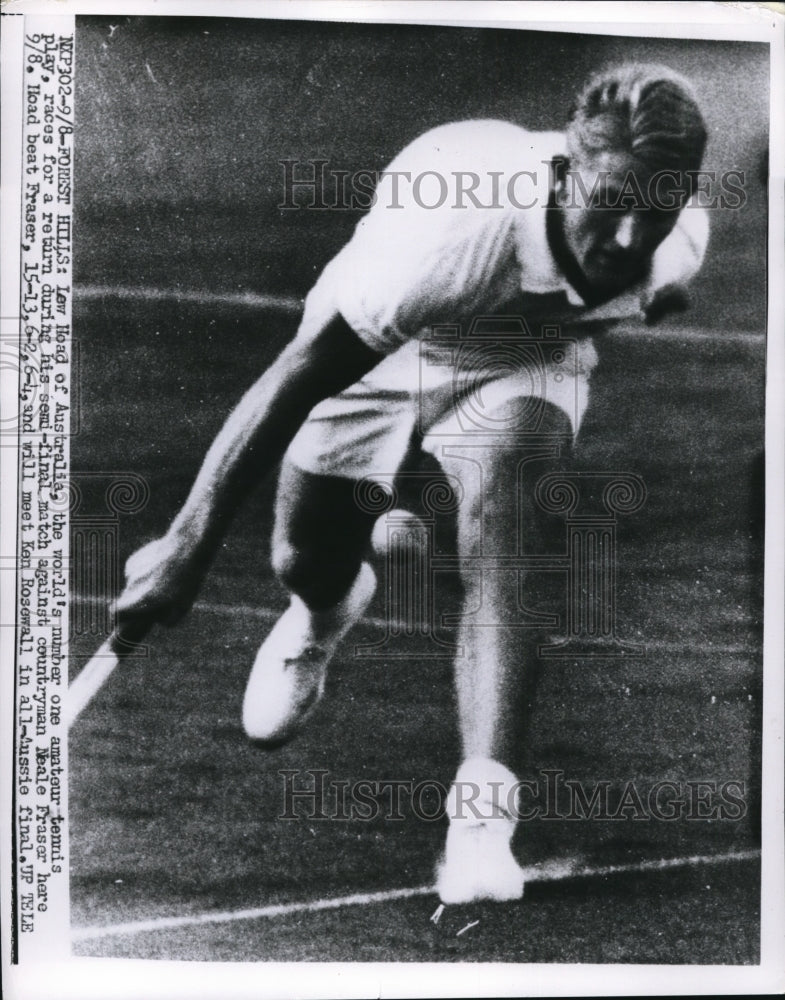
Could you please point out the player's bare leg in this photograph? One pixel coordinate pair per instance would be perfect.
(496, 675)
(320, 541)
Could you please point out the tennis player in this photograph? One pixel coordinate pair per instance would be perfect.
(583, 229)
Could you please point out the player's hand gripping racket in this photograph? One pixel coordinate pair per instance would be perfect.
(162, 579)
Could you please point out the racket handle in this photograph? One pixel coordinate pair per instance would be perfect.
(100, 667)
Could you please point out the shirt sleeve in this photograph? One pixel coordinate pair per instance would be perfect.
(679, 257)
(401, 274)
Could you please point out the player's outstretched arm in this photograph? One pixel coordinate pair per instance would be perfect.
(164, 576)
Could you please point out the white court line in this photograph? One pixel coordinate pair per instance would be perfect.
(291, 303)
(553, 872)
(699, 645)
(635, 332)
(256, 300)
(266, 614)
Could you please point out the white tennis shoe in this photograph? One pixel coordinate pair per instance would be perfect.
(288, 676)
(478, 862)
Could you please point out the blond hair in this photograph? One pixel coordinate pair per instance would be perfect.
(647, 110)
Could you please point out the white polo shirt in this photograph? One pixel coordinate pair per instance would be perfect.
(439, 248)
(459, 228)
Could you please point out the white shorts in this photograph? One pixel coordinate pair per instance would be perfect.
(441, 392)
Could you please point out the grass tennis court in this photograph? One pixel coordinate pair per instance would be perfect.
(173, 815)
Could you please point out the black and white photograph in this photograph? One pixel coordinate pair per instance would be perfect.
(396, 541)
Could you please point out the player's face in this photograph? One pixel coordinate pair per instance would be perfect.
(610, 225)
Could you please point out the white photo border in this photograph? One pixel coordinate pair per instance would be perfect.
(102, 978)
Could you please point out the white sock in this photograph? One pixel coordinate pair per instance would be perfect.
(483, 791)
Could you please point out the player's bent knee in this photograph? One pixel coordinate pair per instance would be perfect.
(498, 506)
(298, 570)
(285, 559)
